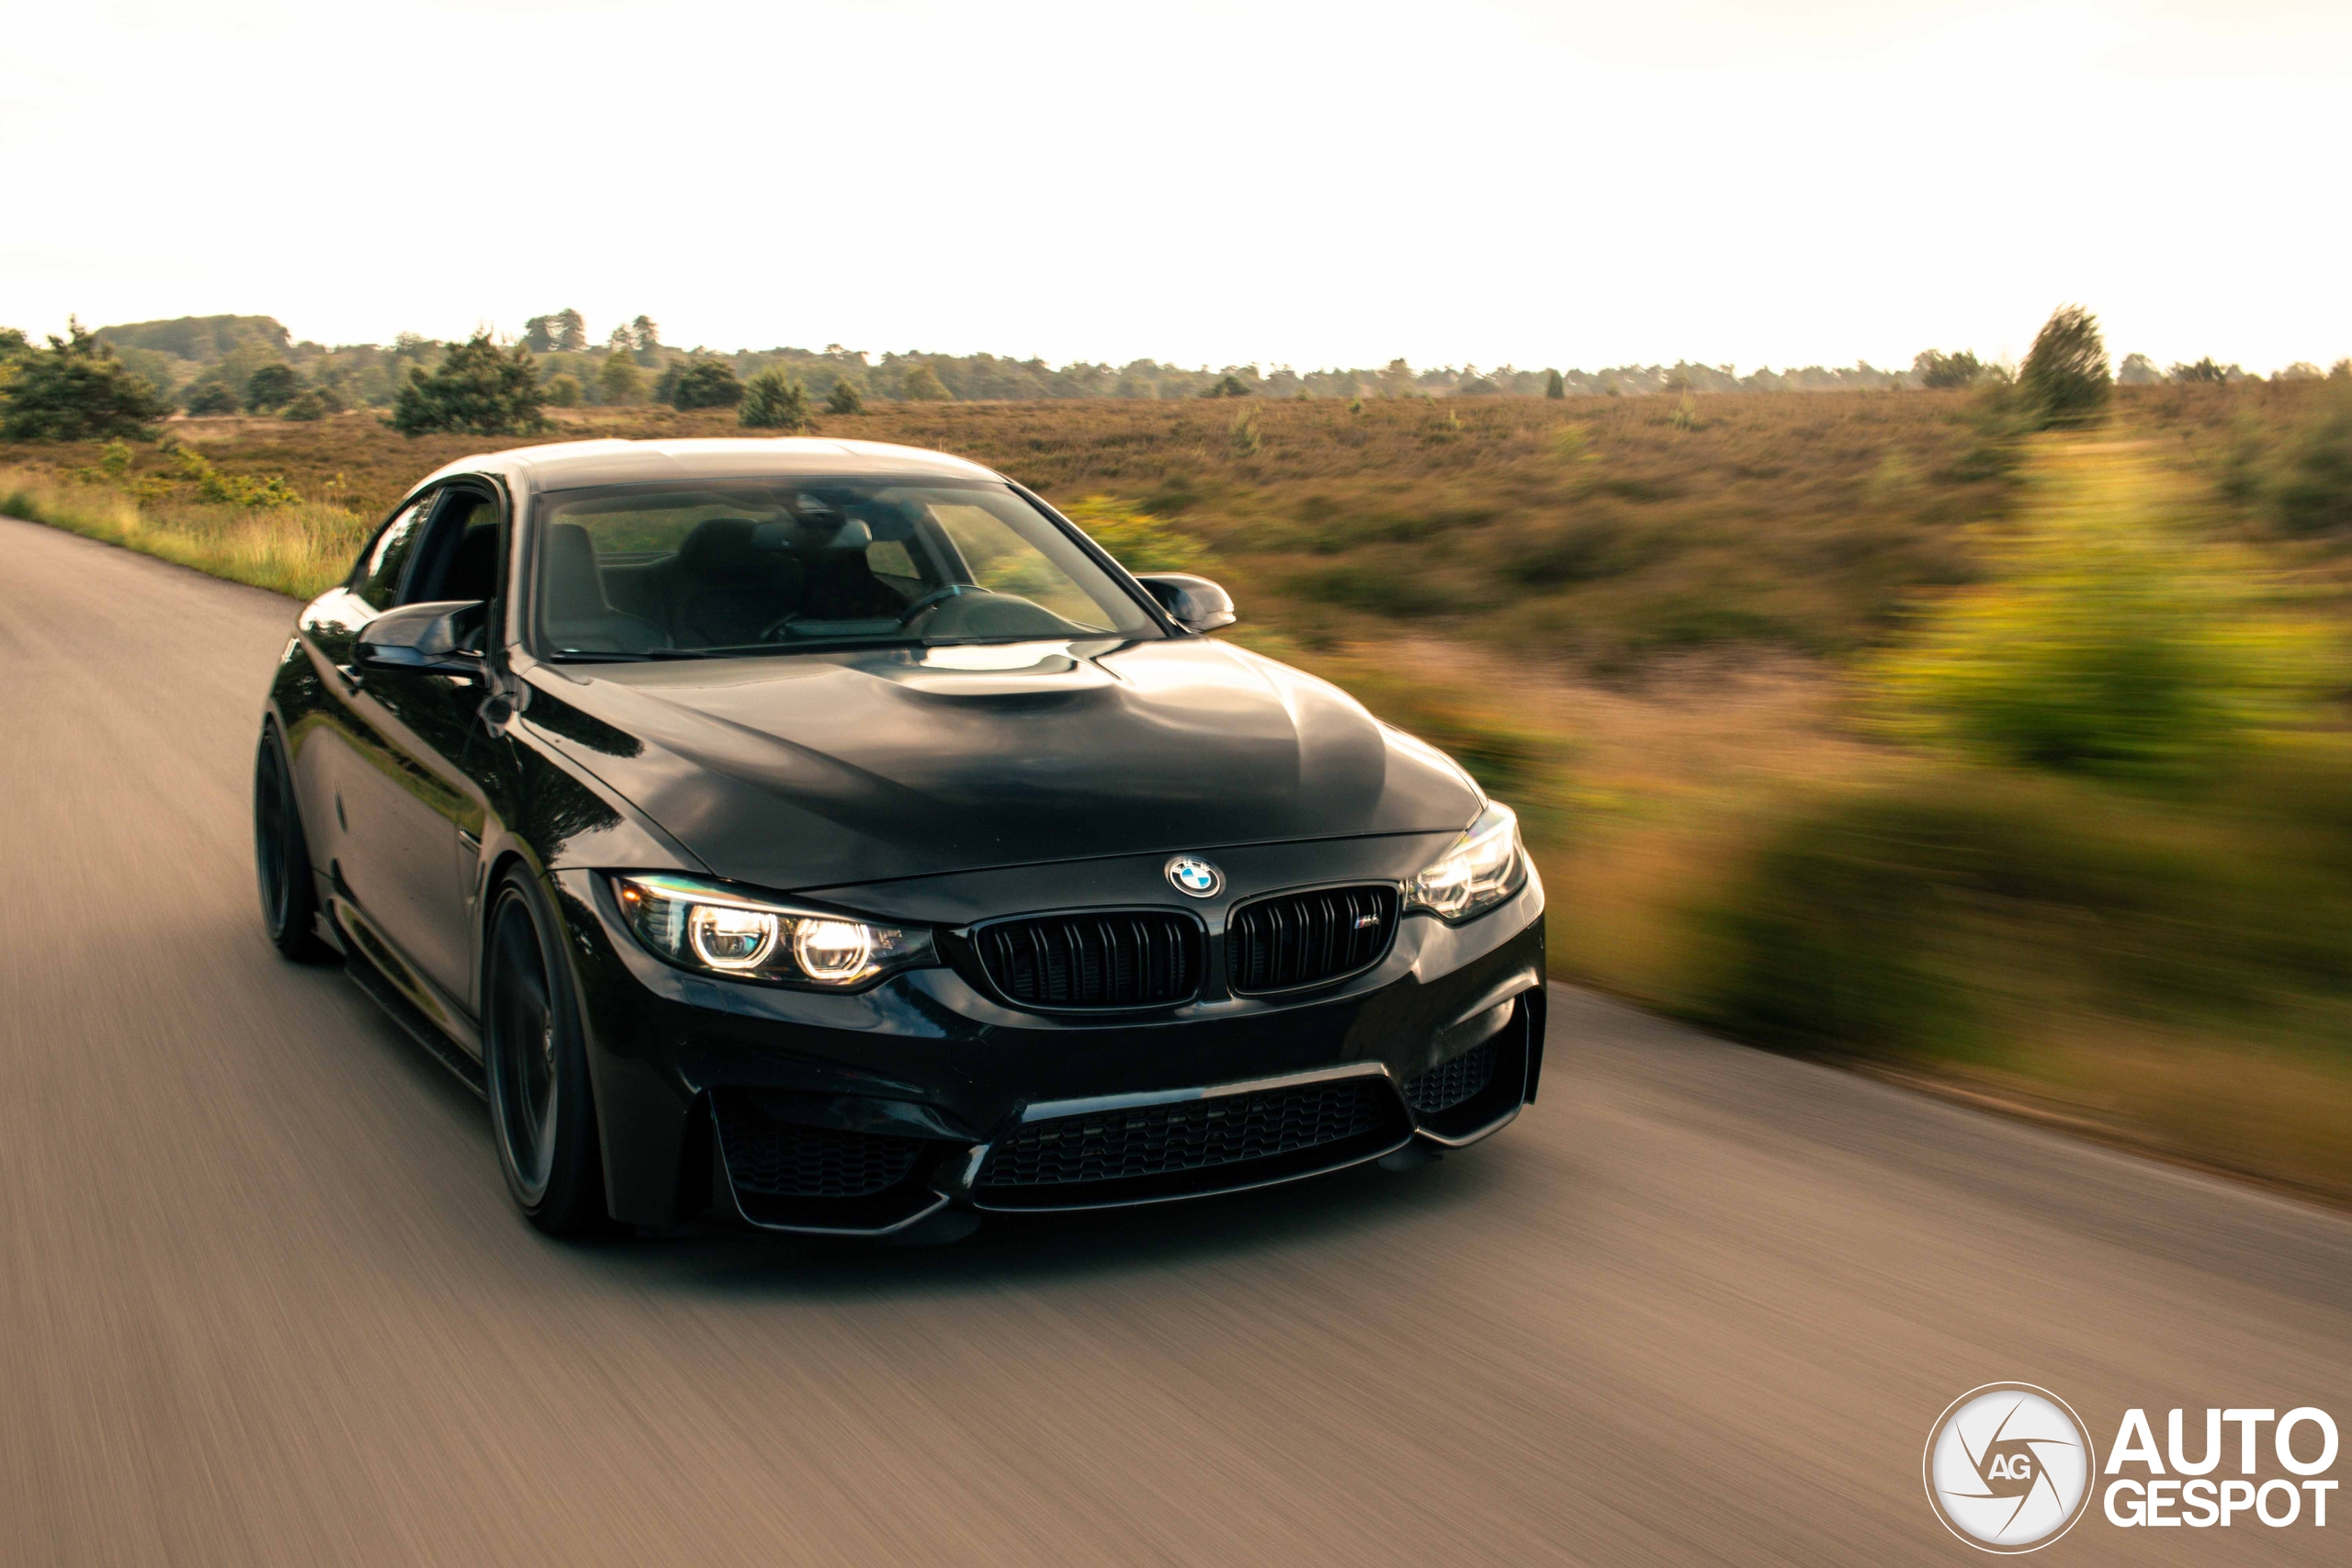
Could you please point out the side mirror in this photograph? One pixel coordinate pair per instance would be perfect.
(432, 640)
(1193, 602)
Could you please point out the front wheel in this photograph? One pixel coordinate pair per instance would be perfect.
(542, 1114)
(290, 900)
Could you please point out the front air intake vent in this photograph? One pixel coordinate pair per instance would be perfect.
(1193, 1139)
(1306, 938)
(1445, 1087)
(1121, 958)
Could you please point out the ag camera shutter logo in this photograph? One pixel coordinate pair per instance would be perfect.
(2009, 1467)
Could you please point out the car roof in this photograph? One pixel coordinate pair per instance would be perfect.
(577, 465)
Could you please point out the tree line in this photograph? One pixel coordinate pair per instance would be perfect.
(131, 375)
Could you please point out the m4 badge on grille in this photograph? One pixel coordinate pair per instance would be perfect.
(1195, 877)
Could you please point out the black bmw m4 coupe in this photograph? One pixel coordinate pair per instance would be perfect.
(830, 837)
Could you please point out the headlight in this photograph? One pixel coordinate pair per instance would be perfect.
(717, 931)
(1485, 865)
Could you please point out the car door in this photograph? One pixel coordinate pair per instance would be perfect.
(414, 844)
(336, 747)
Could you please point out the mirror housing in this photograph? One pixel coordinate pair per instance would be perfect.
(1193, 602)
(426, 638)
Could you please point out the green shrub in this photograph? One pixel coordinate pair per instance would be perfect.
(212, 397)
(618, 383)
(706, 384)
(1138, 540)
(1935, 368)
(1927, 919)
(563, 391)
(478, 388)
(272, 386)
(306, 405)
(2064, 381)
(775, 401)
(76, 389)
(920, 384)
(1383, 587)
(2312, 491)
(263, 494)
(2113, 639)
(844, 397)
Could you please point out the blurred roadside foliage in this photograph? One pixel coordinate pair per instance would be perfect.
(2116, 636)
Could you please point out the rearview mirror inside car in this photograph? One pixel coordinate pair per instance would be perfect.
(1194, 603)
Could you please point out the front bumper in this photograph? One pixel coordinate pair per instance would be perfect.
(863, 1114)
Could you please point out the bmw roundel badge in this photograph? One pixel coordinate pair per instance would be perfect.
(1195, 877)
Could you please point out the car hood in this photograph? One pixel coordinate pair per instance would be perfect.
(823, 770)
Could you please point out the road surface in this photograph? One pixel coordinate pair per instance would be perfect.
(262, 1298)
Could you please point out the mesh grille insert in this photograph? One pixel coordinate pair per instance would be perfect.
(1193, 1135)
(779, 1159)
(1448, 1085)
(1119, 958)
(1299, 939)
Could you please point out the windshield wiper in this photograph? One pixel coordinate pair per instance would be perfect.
(571, 656)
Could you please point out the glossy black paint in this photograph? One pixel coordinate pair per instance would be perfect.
(430, 748)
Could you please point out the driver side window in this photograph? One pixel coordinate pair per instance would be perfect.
(460, 559)
(376, 578)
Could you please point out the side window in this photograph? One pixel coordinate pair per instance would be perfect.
(376, 579)
(460, 558)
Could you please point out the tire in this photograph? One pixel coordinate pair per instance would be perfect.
(290, 898)
(542, 1110)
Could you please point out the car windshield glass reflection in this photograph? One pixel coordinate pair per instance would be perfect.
(651, 571)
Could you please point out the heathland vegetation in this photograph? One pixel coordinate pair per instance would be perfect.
(1981, 726)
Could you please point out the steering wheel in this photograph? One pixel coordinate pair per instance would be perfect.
(937, 596)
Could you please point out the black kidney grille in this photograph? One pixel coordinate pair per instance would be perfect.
(1448, 1085)
(1191, 1134)
(1122, 958)
(1299, 939)
(778, 1159)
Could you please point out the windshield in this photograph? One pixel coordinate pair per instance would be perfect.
(764, 565)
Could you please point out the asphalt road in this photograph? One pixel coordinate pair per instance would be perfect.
(262, 1299)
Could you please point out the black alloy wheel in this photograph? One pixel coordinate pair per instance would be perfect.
(542, 1113)
(290, 900)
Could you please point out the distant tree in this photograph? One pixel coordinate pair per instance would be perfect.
(2301, 370)
(14, 344)
(1229, 387)
(618, 381)
(777, 401)
(706, 384)
(1553, 387)
(76, 389)
(272, 386)
(2203, 370)
(308, 403)
(645, 337)
(921, 384)
(563, 332)
(212, 397)
(563, 391)
(478, 388)
(845, 398)
(2064, 379)
(1935, 368)
(2138, 370)
(2340, 371)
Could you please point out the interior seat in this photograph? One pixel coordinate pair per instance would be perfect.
(577, 615)
(724, 586)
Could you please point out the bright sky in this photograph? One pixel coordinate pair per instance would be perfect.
(1312, 182)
